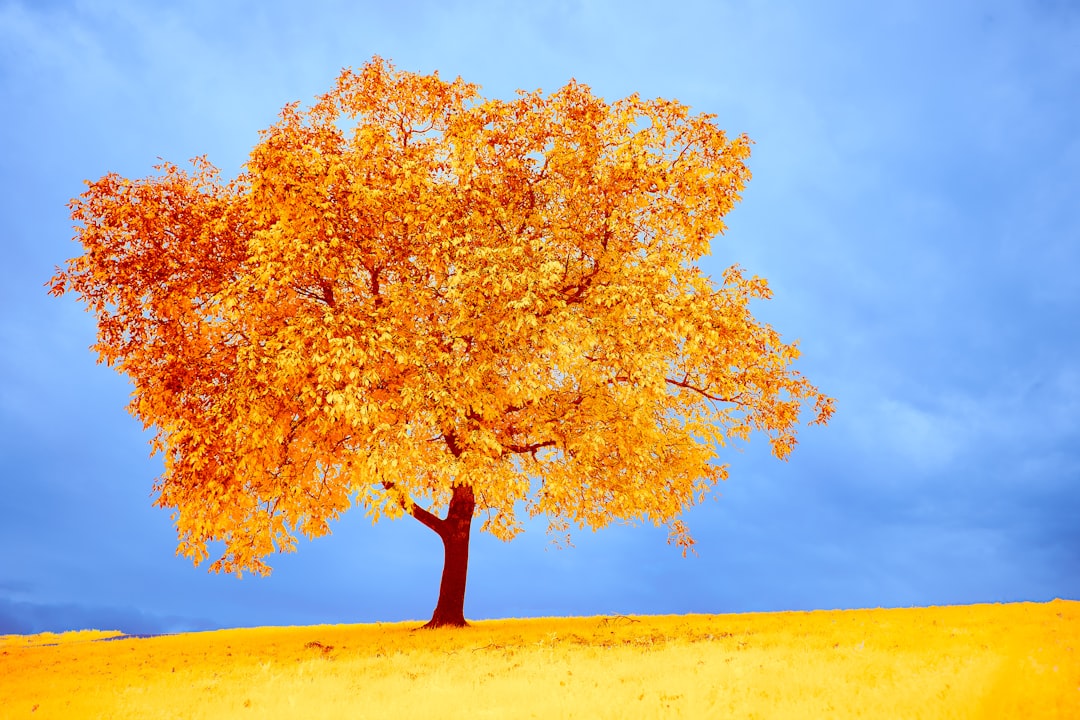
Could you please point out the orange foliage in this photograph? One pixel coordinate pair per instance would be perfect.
(411, 288)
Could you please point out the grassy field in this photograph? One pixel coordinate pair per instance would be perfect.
(981, 661)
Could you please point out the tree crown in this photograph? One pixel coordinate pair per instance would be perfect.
(411, 287)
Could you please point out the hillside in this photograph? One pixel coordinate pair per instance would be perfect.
(979, 661)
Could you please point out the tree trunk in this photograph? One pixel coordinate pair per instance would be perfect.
(454, 531)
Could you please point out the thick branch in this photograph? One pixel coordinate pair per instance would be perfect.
(451, 440)
(530, 448)
(429, 519)
(378, 298)
(327, 293)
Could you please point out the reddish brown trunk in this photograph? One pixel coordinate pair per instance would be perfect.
(454, 531)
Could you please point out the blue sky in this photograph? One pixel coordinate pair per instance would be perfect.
(914, 206)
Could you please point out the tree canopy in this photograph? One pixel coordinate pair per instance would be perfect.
(413, 297)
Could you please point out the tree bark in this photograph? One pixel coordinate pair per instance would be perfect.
(454, 531)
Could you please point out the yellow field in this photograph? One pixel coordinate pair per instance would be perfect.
(981, 661)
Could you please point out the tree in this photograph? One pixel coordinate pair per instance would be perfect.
(414, 299)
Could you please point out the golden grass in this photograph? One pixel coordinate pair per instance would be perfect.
(982, 661)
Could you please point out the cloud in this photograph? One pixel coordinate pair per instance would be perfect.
(919, 438)
(19, 617)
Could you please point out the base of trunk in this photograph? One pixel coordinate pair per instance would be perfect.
(441, 623)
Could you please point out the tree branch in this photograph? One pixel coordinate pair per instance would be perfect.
(715, 398)
(327, 293)
(427, 518)
(374, 274)
(320, 297)
(451, 440)
(530, 448)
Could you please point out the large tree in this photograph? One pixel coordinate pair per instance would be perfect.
(420, 301)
